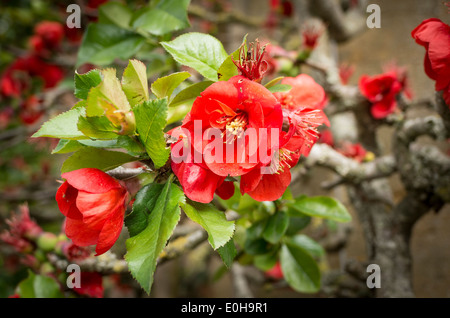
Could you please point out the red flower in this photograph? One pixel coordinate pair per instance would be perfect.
(312, 30)
(48, 37)
(22, 231)
(381, 90)
(73, 252)
(17, 78)
(91, 284)
(434, 36)
(94, 204)
(345, 72)
(275, 272)
(354, 151)
(302, 115)
(31, 110)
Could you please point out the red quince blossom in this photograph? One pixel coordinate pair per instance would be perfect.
(94, 204)
(312, 30)
(31, 110)
(302, 113)
(434, 36)
(47, 37)
(381, 90)
(275, 272)
(22, 231)
(91, 284)
(17, 78)
(345, 72)
(354, 151)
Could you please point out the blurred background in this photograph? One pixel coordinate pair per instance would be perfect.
(28, 172)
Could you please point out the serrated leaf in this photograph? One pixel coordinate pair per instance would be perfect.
(39, 286)
(219, 229)
(135, 83)
(151, 117)
(167, 16)
(63, 126)
(323, 207)
(300, 270)
(84, 82)
(228, 252)
(202, 52)
(97, 127)
(164, 86)
(189, 94)
(103, 43)
(96, 158)
(107, 94)
(144, 248)
(276, 227)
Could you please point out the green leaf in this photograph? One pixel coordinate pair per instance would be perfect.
(164, 86)
(63, 126)
(276, 226)
(323, 207)
(103, 43)
(300, 270)
(127, 143)
(280, 88)
(144, 203)
(97, 127)
(228, 69)
(66, 146)
(144, 248)
(297, 223)
(151, 119)
(135, 83)
(167, 16)
(115, 13)
(219, 229)
(308, 244)
(189, 94)
(108, 94)
(96, 158)
(273, 82)
(266, 261)
(202, 52)
(228, 252)
(255, 244)
(84, 82)
(39, 286)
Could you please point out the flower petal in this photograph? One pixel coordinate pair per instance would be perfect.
(91, 180)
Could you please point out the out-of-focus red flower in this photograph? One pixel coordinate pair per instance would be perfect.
(94, 204)
(74, 35)
(275, 272)
(91, 284)
(401, 73)
(47, 37)
(312, 30)
(434, 36)
(22, 231)
(14, 296)
(345, 72)
(74, 252)
(5, 117)
(326, 137)
(31, 110)
(354, 151)
(17, 78)
(381, 90)
(274, 55)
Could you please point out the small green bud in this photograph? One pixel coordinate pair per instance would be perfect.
(47, 241)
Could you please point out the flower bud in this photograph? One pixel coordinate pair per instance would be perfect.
(47, 241)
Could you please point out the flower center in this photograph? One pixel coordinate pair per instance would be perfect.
(235, 127)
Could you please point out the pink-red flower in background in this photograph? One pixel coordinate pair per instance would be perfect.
(94, 204)
(354, 151)
(434, 36)
(22, 231)
(47, 37)
(381, 90)
(91, 284)
(312, 30)
(275, 272)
